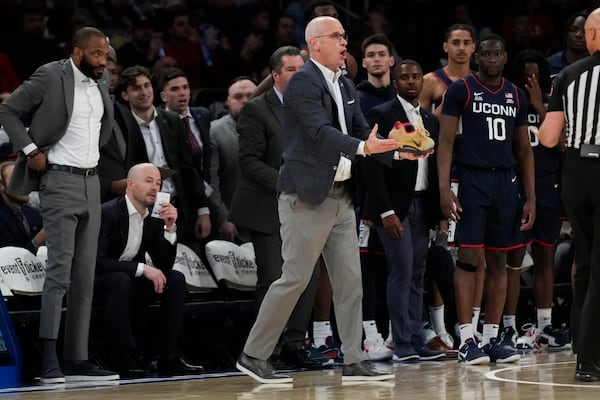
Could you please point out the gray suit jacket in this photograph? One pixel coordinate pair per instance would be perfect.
(47, 97)
(313, 142)
(224, 164)
(254, 204)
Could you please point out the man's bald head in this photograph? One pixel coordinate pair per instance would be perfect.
(592, 31)
(141, 169)
(316, 27)
(327, 42)
(143, 182)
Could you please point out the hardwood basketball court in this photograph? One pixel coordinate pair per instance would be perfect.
(543, 375)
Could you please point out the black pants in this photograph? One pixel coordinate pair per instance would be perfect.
(581, 197)
(124, 298)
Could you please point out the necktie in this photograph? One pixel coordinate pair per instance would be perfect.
(21, 215)
(195, 146)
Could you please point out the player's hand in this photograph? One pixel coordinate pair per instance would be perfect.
(450, 205)
(528, 216)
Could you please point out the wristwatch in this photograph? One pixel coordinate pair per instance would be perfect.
(32, 154)
(172, 230)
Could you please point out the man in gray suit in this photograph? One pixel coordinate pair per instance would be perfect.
(71, 117)
(224, 155)
(324, 131)
(254, 204)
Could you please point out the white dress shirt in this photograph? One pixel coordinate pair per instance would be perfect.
(134, 235)
(79, 147)
(414, 116)
(332, 78)
(154, 148)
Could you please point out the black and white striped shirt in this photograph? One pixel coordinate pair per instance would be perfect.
(576, 92)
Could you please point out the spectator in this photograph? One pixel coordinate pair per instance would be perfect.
(224, 163)
(20, 224)
(285, 31)
(575, 46)
(182, 42)
(9, 80)
(144, 46)
(27, 47)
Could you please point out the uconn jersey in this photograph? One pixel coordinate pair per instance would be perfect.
(488, 117)
(444, 79)
(547, 160)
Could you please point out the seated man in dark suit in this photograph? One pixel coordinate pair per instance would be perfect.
(20, 224)
(124, 282)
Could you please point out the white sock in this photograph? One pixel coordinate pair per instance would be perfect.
(509, 320)
(390, 337)
(437, 319)
(466, 332)
(544, 317)
(321, 330)
(489, 331)
(475, 318)
(370, 328)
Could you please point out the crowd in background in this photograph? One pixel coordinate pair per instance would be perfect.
(215, 41)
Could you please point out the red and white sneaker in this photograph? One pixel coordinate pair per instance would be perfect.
(529, 342)
(376, 350)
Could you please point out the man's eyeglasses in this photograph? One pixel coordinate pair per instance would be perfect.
(336, 36)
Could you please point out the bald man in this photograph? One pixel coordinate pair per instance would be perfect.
(324, 132)
(125, 283)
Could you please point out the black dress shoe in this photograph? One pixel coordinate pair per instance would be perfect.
(277, 362)
(260, 370)
(299, 359)
(587, 372)
(129, 367)
(178, 365)
(364, 371)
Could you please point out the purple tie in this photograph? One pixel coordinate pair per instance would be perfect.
(195, 145)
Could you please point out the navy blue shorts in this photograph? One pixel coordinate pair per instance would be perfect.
(492, 208)
(548, 210)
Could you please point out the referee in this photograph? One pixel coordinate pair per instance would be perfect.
(575, 106)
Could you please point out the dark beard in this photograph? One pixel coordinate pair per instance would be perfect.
(89, 70)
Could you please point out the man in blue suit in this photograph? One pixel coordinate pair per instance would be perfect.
(254, 204)
(324, 132)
